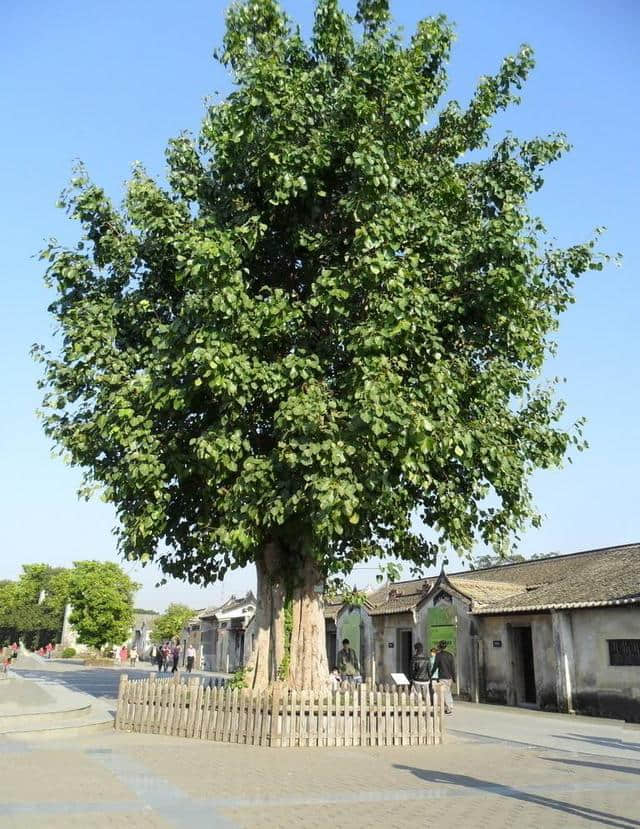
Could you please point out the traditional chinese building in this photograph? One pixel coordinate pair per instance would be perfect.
(225, 632)
(560, 633)
(140, 637)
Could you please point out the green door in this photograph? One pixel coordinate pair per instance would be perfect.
(350, 628)
(441, 625)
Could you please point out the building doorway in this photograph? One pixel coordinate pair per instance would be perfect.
(330, 639)
(525, 677)
(405, 652)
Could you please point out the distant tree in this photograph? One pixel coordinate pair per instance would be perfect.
(8, 598)
(33, 607)
(169, 624)
(331, 320)
(101, 595)
(496, 560)
(514, 558)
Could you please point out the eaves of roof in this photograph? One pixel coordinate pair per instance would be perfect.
(498, 610)
(391, 607)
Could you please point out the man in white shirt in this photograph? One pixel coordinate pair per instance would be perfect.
(191, 658)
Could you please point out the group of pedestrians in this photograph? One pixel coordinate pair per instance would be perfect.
(8, 655)
(169, 654)
(439, 668)
(124, 654)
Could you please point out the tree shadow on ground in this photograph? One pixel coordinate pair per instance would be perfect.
(474, 784)
(590, 765)
(606, 742)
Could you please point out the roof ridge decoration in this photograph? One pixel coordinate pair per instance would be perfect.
(443, 581)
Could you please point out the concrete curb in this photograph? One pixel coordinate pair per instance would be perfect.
(64, 712)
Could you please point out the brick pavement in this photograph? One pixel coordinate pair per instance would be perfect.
(148, 781)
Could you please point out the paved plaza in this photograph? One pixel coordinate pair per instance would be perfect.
(500, 768)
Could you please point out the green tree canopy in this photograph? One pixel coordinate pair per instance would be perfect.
(32, 608)
(169, 624)
(8, 600)
(328, 325)
(101, 595)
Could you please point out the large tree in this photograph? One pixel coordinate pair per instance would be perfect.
(168, 625)
(101, 595)
(32, 608)
(325, 328)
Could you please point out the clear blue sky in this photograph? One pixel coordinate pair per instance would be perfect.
(109, 83)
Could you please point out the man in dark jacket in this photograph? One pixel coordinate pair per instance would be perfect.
(420, 674)
(348, 662)
(445, 664)
(175, 653)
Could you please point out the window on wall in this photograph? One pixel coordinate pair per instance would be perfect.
(624, 651)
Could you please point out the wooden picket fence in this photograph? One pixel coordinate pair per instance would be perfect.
(359, 716)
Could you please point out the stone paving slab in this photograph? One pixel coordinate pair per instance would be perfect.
(141, 780)
(16, 694)
(56, 776)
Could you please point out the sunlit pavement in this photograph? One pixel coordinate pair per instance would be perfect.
(500, 768)
(99, 682)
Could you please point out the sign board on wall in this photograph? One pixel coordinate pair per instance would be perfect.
(442, 626)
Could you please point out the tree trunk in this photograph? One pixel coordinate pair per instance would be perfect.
(308, 669)
(269, 646)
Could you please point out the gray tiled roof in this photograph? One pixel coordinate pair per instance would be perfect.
(399, 597)
(594, 578)
(231, 604)
(331, 609)
(610, 575)
(139, 619)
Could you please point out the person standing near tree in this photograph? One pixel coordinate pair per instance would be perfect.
(445, 665)
(420, 674)
(159, 658)
(348, 662)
